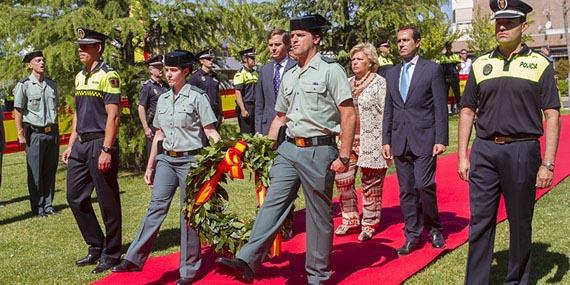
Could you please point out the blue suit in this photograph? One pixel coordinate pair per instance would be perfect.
(412, 128)
(265, 96)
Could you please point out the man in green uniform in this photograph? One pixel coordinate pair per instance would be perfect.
(315, 103)
(92, 155)
(509, 90)
(35, 114)
(384, 61)
(244, 82)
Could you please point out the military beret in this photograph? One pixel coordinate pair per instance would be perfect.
(28, 57)
(155, 60)
(87, 37)
(505, 9)
(309, 22)
(250, 52)
(179, 58)
(205, 54)
(385, 44)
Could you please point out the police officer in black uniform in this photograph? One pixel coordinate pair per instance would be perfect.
(92, 154)
(509, 90)
(206, 79)
(150, 91)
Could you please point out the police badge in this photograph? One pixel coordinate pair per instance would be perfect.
(487, 69)
(502, 4)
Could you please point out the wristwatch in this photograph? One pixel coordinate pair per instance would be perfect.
(344, 160)
(106, 149)
(548, 165)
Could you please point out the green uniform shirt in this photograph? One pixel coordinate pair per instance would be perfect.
(94, 90)
(310, 98)
(181, 119)
(244, 81)
(38, 102)
(382, 61)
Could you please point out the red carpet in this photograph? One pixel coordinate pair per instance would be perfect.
(353, 262)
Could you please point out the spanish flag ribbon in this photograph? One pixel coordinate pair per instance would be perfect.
(230, 164)
(261, 192)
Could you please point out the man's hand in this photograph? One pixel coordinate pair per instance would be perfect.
(387, 152)
(244, 113)
(463, 168)
(544, 177)
(104, 161)
(148, 133)
(65, 155)
(22, 140)
(149, 176)
(438, 149)
(338, 166)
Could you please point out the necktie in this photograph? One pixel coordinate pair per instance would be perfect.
(277, 78)
(404, 81)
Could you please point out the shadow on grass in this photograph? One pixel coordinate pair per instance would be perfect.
(166, 239)
(543, 263)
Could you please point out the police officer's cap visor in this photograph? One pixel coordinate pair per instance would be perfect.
(309, 22)
(89, 37)
(28, 57)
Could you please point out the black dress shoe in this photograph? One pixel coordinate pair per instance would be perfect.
(238, 267)
(103, 266)
(184, 281)
(408, 247)
(126, 266)
(88, 260)
(436, 239)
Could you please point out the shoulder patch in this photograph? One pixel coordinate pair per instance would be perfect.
(327, 59)
(114, 81)
(194, 88)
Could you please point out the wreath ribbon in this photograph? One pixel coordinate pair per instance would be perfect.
(261, 192)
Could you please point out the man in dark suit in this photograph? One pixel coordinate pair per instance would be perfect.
(415, 132)
(270, 75)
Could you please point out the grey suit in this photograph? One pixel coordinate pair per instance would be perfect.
(412, 128)
(265, 96)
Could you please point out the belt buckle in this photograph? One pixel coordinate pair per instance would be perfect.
(502, 140)
(171, 153)
(300, 142)
(47, 129)
(79, 138)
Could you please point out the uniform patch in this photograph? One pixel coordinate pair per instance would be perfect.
(114, 81)
(487, 69)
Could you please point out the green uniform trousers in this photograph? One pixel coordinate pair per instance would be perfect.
(294, 166)
(42, 153)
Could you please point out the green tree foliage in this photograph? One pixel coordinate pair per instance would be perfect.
(481, 34)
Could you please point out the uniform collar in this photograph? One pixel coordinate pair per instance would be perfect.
(34, 80)
(525, 50)
(315, 61)
(97, 67)
(182, 92)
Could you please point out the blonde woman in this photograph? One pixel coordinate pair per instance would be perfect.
(368, 93)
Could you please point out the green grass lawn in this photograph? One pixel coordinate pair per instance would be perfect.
(43, 250)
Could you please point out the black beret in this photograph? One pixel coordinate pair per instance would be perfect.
(87, 37)
(179, 58)
(309, 22)
(155, 60)
(205, 54)
(28, 57)
(509, 8)
(385, 44)
(250, 52)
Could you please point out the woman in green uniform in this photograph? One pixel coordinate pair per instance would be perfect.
(183, 113)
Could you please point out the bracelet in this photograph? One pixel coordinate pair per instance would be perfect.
(548, 165)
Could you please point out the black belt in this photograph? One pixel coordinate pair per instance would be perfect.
(511, 139)
(43, 130)
(87, 137)
(172, 153)
(314, 141)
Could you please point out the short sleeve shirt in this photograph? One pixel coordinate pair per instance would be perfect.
(244, 81)
(508, 95)
(37, 101)
(183, 117)
(150, 92)
(310, 98)
(94, 90)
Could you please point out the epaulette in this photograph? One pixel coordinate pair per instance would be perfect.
(199, 90)
(541, 55)
(106, 67)
(327, 59)
(147, 82)
(24, 80)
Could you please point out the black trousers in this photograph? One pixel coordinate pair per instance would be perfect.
(82, 175)
(418, 199)
(42, 153)
(453, 82)
(247, 125)
(508, 170)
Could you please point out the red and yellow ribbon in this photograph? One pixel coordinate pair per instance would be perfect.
(261, 192)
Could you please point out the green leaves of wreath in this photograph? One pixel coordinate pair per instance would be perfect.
(222, 230)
